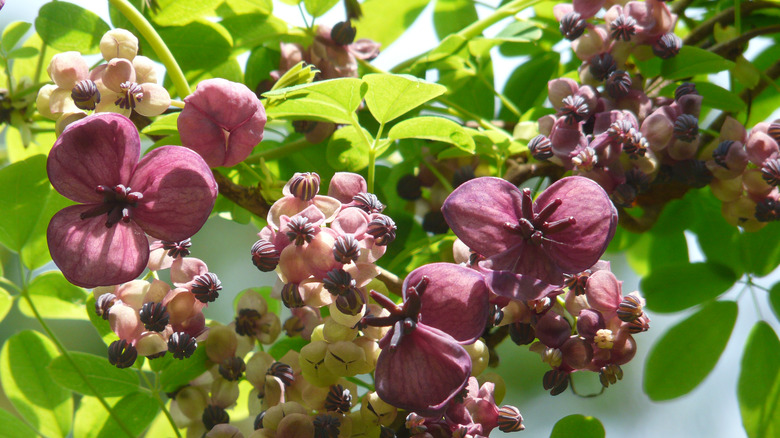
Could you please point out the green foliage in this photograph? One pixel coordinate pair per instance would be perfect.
(579, 426)
(526, 86)
(391, 96)
(774, 299)
(55, 298)
(687, 352)
(27, 383)
(136, 411)
(385, 21)
(676, 287)
(12, 34)
(282, 346)
(317, 8)
(104, 378)
(692, 61)
(450, 16)
(199, 45)
(758, 389)
(333, 100)
(347, 149)
(66, 26)
(757, 257)
(6, 301)
(719, 97)
(13, 427)
(179, 372)
(178, 13)
(434, 128)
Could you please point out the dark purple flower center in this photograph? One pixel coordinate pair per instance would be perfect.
(402, 318)
(534, 227)
(118, 203)
(132, 93)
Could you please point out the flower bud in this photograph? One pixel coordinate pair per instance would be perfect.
(480, 356)
(214, 415)
(221, 343)
(376, 411)
(668, 46)
(182, 345)
(118, 43)
(121, 354)
(66, 69)
(224, 393)
(312, 363)
(345, 359)
(332, 331)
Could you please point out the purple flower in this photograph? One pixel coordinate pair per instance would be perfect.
(565, 231)
(222, 121)
(102, 241)
(422, 365)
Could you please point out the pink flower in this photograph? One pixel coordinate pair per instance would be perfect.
(222, 121)
(102, 241)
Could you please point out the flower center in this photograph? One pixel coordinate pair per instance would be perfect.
(131, 94)
(534, 227)
(118, 203)
(403, 318)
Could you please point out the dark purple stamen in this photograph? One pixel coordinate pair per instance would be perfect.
(534, 226)
(118, 202)
(402, 318)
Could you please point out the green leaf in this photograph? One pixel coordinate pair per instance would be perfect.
(758, 257)
(180, 372)
(66, 26)
(282, 346)
(178, 13)
(746, 73)
(651, 251)
(299, 74)
(25, 188)
(106, 379)
(579, 426)
(35, 252)
(758, 389)
(718, 240)
(693, 61)
(774, 299)
(28, 385)
(199, 45)
(243, 7)
(13, 427)
(391, 96)
(12, 34)
(686, 354)
(55, 298)
(719, 97)
(22, 52)
(347, 150)
(262, 61)
(165, 125)
(450, 16)
(333, 100)
(136, 411)
(672, 288)
(6, 301)
(317, 8)
(384, 21)
(527, 85)
(434, 128)
(250, 30)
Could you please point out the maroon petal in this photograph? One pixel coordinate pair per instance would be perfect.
(514, 286)
(527, 260)
(101, 149)
(178, 190)
(477, 211)
(579, 246)
(222, 121)
(455, 300)
(91, 255)
(423, 373)
(344, 185)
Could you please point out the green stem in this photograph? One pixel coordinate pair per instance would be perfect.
(10, 77)
(161, 403)
(251, 171)
(507, 103)
(372, 157)
(738, 16)
(359, 382)
(371, 152)
(39, 64)
(158, 45)
(464, 112)
(446, 184)
(475, 29)
(68, 357)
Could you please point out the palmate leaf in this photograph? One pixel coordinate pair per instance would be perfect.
(579, 426)
(55, 298)
(686, 354)
(434, 128)
(391, 96)
(758, 389)
(676, 287)
(106, 379)
(66, 26)
(333, 100)
(347, 150)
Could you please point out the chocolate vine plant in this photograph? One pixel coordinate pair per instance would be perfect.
(412, 226)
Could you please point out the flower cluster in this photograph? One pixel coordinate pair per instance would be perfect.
(127, 82)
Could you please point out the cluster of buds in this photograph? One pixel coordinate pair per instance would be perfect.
(153, 318)
(125, 83)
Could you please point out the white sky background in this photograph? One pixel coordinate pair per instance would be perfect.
(711, 410)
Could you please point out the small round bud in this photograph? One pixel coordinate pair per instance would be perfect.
(346, 249)
(103, 304)
(382, 228)
(368, 202)
(409, 187)
(602, 65)
(118, 43)
(556, 381)
(246, 321)
(85, 95)
(574, 109)
(343, 33)
(509, 419)
(623, 27)
(206, 287)
(610, 374)
(177, 249)
(624, 195)
(630, 308)
(721, 152)
(774, 131)
(639, 325)
(685, 89)
(540, 147)
(338, 399)
(299, 230)
(345, 359)
(434, 222)
(182, 345)
(635, 144)
(283, 371)
(686, 128)
(770, 172)
(264, 255)
(618, 83)
(214, 415)
(121, 354)
(668, 46)
(291, 296)
(572, 26)
(522, 333)
(480, 355)
(154, 316)
(305, 186)
(232, 368)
